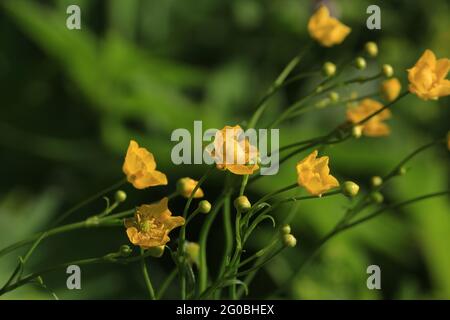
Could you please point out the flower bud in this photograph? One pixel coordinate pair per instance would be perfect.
(242, 204)
(357, 131)
(376, 181)
(360, 63)
(329, 69)
(204, 206)
(371, 49)
(156, 252)
(192, 250)
(388, 71)
(289, 240)
(350, 189)
(125, 250)
(377, 197)
(401, 171)
(186, 185)
(286, 229)
(334, 96)
(120, 196)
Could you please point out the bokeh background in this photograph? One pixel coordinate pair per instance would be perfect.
(72, 100)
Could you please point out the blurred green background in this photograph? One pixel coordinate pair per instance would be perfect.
(72, 100)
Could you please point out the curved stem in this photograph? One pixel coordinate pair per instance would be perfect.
(148, 283)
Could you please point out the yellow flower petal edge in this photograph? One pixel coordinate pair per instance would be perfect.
(151, 225)
(374, 127)
(427, 78)
(390, 89)
(326, 30)
(314, 174)
(140, 168)
(233, 151)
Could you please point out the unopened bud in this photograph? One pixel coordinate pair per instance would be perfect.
(360, 63)
(401, 171)
(388, 71)
(120, 196)
(357, 131)
(286, 229)
(242, 203)
(329, 69)
(371, 49)
(125, 250)
(204, 206)
(377, 197)
(376, 181)
(350, 189)
(156, 252)
(334, 96)
(289, 240)
(192, 250)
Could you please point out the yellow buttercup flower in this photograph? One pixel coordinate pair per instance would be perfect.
(427, 77)
(233, 151)
(390, 89)
(186, 185)
(151, 225)
(314, 174)
(140, 168)
(375, 126)
(328, 31)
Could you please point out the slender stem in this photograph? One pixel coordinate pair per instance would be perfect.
(148, 283)
(169, 279)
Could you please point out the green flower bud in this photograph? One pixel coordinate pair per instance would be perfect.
(350, 189)
(120, 196)
(376, 181)
(289, 240)
(156, 252)
(388, 71)
(125, 250)
(357, 131)
(204, 206)
(360, 63)
(371, 49)
(286, 229)
(192, 250)
(377, 197)
(329, 69)
(242, 204)
(334, 96)
(401, 171)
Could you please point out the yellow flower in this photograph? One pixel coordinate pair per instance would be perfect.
(390, 89)
(151, 225)
(326, 30)
(375, 126)
(186, 185)
(140, 168)
(427, 77)
(314, 174)
(448, 140)
(233, 151)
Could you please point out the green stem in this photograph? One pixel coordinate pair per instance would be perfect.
(166, 284)
(148, 283)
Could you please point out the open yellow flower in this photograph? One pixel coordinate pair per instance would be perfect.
(314, 174)
(151, 225)
(374, 127)
(328, 31)
(427, 77)
(233, 151)
(390, 89)
(140, 168)
(186, 185)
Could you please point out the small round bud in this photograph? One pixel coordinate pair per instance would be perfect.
(388, 71)
(334, 96)
(357, 131)
(371, 49)
(204, 206)
(319, 89)
(401, 171)
(120, 196)
(156, 252)
(192, 250)
(350, 189)
(329, 69)
(360, 63)
(286, 229)
(377, 197)
(242, 203)
(376, 181)
(125, 250)
(289, 240)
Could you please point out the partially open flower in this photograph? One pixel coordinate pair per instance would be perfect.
(375, 126)
(427, 77)
(314, 174)
(140, 168)
(151, 225)
(185, 186)
(233, 151)
(328, 31)
(390, 89)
